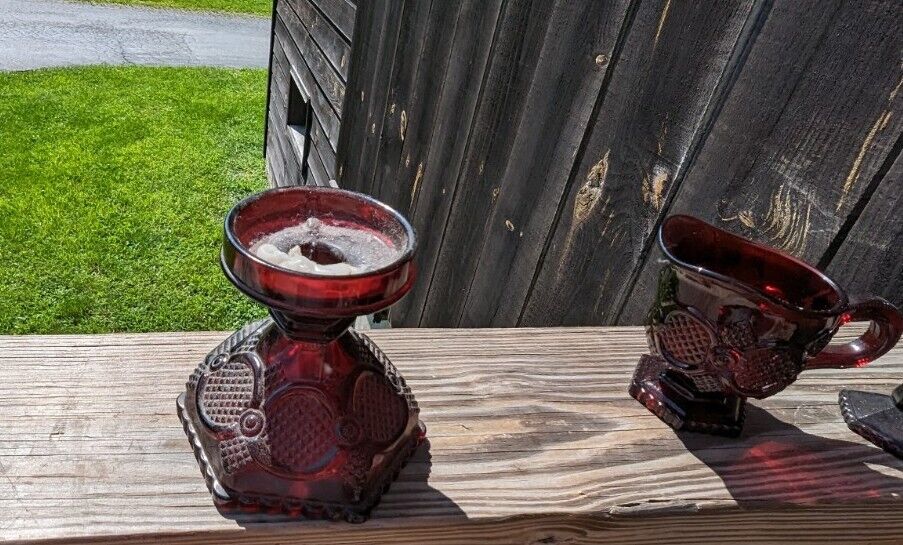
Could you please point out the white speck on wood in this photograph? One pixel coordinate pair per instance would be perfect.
(416, 185)
(661, 23)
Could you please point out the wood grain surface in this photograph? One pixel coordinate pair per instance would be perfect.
(532, 439)
(637, 150)
(340, 13)
(791, 154)
(330, 83)
(430, 199)
(876, 238)
(537, 157)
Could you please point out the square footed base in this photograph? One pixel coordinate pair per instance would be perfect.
(681, 407)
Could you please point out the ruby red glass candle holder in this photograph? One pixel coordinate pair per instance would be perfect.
(299, 414)
(733, 319)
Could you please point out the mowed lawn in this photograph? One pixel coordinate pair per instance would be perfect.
(256, 7)
(113, 187)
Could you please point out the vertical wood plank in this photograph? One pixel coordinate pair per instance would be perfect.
(558, 107)
(808, 123)
(652, 113)
(869, 261)
(412, 35)
(364, 80)
(450, 134)
(425, 93)
(378, 99)
(510, 73)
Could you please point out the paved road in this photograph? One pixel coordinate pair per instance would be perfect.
(44, 33)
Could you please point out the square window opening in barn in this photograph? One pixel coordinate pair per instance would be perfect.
(299, 120)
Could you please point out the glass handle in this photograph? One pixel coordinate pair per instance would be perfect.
(883, 333)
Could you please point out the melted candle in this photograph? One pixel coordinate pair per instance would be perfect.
(355, 251)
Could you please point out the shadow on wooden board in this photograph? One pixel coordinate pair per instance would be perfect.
(776, 462)
(413, 481)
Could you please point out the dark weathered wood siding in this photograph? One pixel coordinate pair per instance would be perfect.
(537, 145)
(311, 48)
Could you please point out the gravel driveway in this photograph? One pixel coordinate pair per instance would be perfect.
(48, 33)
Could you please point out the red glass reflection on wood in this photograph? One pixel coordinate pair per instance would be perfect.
(299, 413)
(734, 319)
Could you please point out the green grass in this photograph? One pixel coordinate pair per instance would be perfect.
(113, 187)
(256, 7)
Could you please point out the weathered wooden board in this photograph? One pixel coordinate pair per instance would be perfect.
(515, 54)
(451, 128)
(318, 175)
(275, 163)
(366, 144)
(412, 34)
(327, 154)
(424, 94)
(640, 143)
(363, 79)
(279, 148)
(299, 70)
(537, 156)
(280, 74)
(330, 83)
(532, 439)
(286, 154)
(870, 259)
(564, 90)
(340, 13)
(290, 150)
(324, 34)
(808, 123)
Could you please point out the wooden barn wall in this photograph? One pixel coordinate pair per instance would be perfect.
(537, 145)
(311, 47)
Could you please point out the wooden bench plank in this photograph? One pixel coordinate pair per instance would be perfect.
(532, 438)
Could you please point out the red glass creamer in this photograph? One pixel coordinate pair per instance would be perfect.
(734, 319)
(299, 413)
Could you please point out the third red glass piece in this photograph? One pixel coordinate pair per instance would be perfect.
(734, 319)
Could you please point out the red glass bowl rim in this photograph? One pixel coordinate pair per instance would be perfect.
(840, 306)
(406, 254)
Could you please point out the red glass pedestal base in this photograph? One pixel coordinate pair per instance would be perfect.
(299, 414)
(682, 406)
(319, 434)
